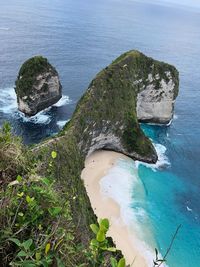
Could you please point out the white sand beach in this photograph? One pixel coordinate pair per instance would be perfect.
(96, 167)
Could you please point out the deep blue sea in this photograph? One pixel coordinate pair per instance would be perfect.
(80, 38)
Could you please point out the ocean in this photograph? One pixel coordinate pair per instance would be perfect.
(80, 38)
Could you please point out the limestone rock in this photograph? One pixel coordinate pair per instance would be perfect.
(37, 86)
(155, 101)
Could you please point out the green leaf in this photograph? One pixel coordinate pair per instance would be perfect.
(54, 211)
(46, 181)
(100, 236)
(121, 263)
(59, 262)
(103, 247)
(20, 194)
(21, 214)
(53, 154)
(111, 249)
(38, 256)
(113, 262)
(22, 254)
(19, 178)
(29, 199)
(26, 244)
(45, 263)
(16, 241)
(94, 243)
(47, 248)
(104, 225)
(40, 227)
(28, 264)
(94, 228)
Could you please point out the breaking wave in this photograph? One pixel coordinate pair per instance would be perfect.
(163, 161)
(8, 105)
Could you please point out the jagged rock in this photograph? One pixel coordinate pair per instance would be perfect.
(37, 86)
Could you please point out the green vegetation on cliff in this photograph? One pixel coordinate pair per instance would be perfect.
(45, 213)
(105, 116)
(28, 72)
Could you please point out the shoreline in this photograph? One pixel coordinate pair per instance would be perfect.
(97, 166)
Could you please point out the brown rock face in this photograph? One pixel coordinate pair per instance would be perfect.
(37, 86)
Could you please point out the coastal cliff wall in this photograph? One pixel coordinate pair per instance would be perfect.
(155, 101)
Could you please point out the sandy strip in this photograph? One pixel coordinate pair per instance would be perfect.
(96, 167)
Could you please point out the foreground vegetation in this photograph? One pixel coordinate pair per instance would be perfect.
(37, 224)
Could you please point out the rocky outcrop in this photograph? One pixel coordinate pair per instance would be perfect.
(133, 87)
(37, 86)
(155, 101)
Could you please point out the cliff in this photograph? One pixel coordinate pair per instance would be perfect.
(133, 87)
(37, 86)
(105, 118)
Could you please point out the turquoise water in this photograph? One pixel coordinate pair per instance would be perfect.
(171, 201)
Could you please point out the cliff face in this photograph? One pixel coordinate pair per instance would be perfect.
(133, 87)
(155, 100)
(37, 86)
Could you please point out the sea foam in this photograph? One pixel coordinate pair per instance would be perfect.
(121, 183)
(41, 117)
(8, 100)
(162, 162)
(119, 178)
(63, 101)
(61, 123)
(8, 105)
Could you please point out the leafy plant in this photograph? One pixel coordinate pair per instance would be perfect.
(100, 244)
(120, 263)
(33, 218)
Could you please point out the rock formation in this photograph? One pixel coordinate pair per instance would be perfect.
(133, 87)
(155, 100)
(37, 86)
